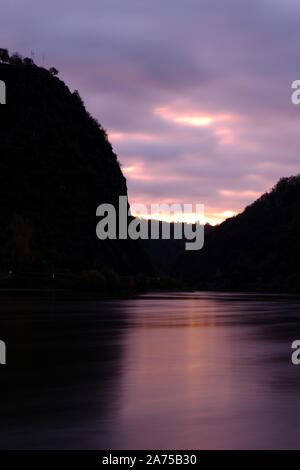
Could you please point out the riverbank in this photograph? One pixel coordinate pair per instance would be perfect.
(104, 284)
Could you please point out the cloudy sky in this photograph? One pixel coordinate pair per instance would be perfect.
(194, 94)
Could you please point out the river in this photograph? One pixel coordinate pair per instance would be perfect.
(197, 370)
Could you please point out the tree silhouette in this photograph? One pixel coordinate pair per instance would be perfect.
(16, 59)
(4, 56)
(28, 61)
(53, 71)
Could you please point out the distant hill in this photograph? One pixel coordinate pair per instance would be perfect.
(56, 167)
(258, 249)
(164, 253)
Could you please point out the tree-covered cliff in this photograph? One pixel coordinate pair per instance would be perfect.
(258, 249)
(56, 167)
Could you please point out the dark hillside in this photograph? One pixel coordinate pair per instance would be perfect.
(258, 249)
(56, 167)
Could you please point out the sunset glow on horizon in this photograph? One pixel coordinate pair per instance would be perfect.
(213, 218)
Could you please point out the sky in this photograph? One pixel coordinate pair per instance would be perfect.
(195, 94)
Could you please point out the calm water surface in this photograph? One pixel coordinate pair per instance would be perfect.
(163, 371)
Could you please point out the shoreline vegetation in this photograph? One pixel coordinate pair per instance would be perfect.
(105, 283)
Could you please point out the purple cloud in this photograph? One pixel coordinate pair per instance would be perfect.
(199, 60)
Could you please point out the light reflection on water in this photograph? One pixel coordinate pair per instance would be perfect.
(164, 371)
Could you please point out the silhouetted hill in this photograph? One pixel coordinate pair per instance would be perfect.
(56, 167)
(256, 250)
